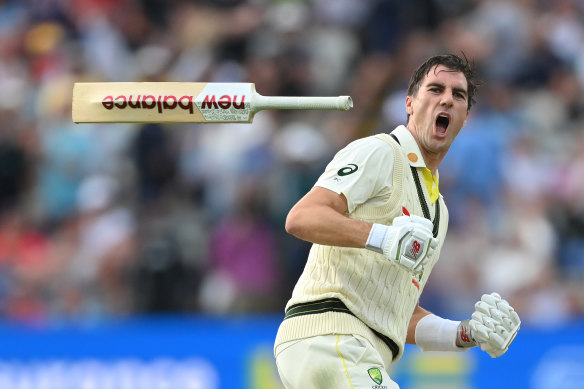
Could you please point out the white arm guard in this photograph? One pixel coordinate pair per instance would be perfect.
(494, 324)
(408, 241)
(434, 333)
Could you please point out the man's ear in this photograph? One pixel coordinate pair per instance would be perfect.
(409, 107)
(464, 123)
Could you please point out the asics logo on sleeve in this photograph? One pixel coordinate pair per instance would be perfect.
(350, 168)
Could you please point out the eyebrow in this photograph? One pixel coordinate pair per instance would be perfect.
(442, 86)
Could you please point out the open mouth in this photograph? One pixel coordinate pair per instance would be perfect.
(442, 122)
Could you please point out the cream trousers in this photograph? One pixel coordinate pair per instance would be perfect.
(332, 361)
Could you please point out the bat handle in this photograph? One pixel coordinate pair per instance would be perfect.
(340, 103)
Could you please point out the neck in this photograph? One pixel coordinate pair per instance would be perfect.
(432, 160)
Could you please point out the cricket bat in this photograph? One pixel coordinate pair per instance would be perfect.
(184, 102)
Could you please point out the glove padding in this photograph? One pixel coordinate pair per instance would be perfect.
(494, 325)
(408, 241)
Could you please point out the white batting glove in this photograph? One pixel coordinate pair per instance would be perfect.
(493, 326)
(408, 241)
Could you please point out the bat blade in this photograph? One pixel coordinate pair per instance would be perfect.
(183, 102)
(162, 102)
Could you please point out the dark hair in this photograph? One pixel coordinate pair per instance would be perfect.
(451, 62)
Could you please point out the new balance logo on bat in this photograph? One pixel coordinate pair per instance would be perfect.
(224, 102)
(149, 102)
(170, 102)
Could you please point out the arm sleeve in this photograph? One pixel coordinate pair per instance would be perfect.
(362, 171)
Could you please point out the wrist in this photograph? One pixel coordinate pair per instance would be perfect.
(464, 336)
(434, 333)
(377, 237)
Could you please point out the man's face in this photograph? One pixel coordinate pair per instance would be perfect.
(438, 110)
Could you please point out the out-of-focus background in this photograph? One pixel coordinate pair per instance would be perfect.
(151, 255)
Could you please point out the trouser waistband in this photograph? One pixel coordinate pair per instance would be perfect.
(333, 305)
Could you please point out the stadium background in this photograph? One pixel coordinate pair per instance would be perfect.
(132, 254)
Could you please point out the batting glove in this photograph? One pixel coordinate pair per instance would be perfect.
(408, 241)
(493, 326)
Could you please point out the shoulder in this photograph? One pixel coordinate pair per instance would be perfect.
(365, 151)
(376, 141)
(375, 144)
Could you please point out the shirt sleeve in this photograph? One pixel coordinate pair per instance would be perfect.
(362, 171)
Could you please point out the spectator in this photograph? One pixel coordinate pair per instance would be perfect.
(177, 189)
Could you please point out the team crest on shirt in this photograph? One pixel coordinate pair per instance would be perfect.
(375, 375)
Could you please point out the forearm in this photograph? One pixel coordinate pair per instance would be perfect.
(433, 333)
(324, 225)
(418, 314)
(320, 217)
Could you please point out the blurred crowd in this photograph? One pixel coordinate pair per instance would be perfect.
(102, 220)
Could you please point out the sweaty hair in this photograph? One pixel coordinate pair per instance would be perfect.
(453, 63)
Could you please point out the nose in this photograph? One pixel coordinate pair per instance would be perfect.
(447, 100)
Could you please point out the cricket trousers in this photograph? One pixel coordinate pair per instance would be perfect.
(332, 361)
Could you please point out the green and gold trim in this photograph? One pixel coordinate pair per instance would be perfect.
(320, 306)
(333, 305)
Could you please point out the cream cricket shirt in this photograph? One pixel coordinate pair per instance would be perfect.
(355, 170)
(375, 176)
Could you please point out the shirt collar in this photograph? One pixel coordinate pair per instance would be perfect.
(409, 146)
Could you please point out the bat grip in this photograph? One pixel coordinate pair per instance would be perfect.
(340, 103)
